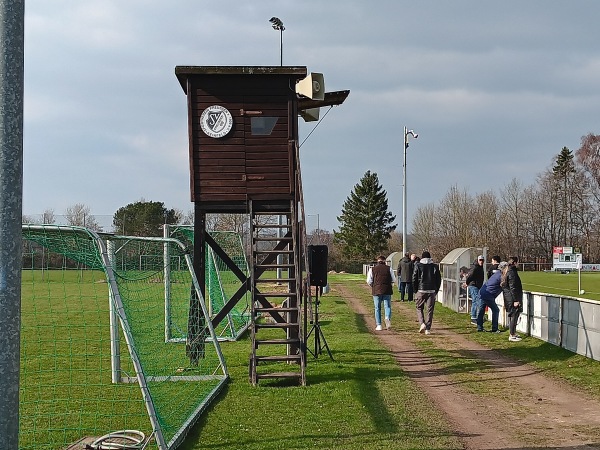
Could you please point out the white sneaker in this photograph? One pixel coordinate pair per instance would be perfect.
(427, 332)
(515, 338)
(378, 328)
(422, 328)
(388, 324)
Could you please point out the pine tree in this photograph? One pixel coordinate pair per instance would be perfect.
(564, 178)
(365, 222)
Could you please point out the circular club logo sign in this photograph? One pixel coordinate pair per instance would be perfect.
(216, 121)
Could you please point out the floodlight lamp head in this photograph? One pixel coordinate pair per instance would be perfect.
(412, 133)
(277, 23)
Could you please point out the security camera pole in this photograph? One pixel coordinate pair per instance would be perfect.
(415, 135)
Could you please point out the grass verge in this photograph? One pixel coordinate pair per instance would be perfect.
(560, 364)
(362, 399)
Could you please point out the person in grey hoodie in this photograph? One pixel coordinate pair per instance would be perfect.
(426, 282)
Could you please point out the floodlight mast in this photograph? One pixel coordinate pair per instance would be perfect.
(278, 25)
(404, 209)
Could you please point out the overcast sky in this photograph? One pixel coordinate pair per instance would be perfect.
(494, 89)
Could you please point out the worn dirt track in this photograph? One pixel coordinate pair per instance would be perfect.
(545, 413)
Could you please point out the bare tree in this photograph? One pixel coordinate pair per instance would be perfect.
(512, 212)
(187, 218)
(588, 157)
(79, 215)
(48, 216)
(484, 219)
(227, 222)
(395, 242)
(424, 229)
(454, 218)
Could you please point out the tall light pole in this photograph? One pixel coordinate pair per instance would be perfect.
(415, 135)
(278, 25)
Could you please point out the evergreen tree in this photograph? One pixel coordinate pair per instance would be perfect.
(365, 222)
(564, 181)
(564, 164)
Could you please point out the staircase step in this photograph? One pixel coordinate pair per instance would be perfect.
(264, 226)
(278, 358)
(277, 341)
(272, 238)
(275, 252)
(271, 213)
(278, 294)
(268, 310)
(275, 266)
(276, 325)
(274, 280)
(279, 375)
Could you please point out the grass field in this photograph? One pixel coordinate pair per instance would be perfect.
(563, 284)
(66, 391)
(361, 400)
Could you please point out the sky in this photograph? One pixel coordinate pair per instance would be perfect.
(494, 90)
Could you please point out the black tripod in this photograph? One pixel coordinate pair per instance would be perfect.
(320, 341)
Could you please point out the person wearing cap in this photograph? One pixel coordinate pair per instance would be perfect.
(488, 293)
(404, 272)
(474, 282)
(381, 279)
(426, 281)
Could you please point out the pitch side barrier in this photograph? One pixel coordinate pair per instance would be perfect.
(569, 322)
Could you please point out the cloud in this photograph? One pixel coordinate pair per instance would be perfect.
(494, 90)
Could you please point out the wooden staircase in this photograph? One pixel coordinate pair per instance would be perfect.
(278, 348)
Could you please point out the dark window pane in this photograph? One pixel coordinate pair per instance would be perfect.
(262, 126)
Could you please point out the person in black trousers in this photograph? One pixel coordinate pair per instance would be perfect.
(404, 272)
(512, 290)
(426, 282)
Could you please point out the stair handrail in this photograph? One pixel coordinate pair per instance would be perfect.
(303, 239)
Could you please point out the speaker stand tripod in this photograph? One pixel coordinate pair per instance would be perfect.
(320, 341)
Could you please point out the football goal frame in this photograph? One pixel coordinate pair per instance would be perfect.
(158, 371)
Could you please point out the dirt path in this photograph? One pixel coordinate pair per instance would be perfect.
(547, 413)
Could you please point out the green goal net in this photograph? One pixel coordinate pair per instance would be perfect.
(94, 358)
(221, 282)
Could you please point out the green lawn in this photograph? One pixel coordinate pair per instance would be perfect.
(563, 284)
(362, 400)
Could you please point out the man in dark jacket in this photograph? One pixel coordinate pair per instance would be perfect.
(404, 273)
(381, 279)
(426, 281)
(512, 290)
(474, 282)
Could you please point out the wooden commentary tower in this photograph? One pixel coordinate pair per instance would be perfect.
(243, 155)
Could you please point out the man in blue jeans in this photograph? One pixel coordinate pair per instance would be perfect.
(474, 282)
(381, 279)
(487, 294)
